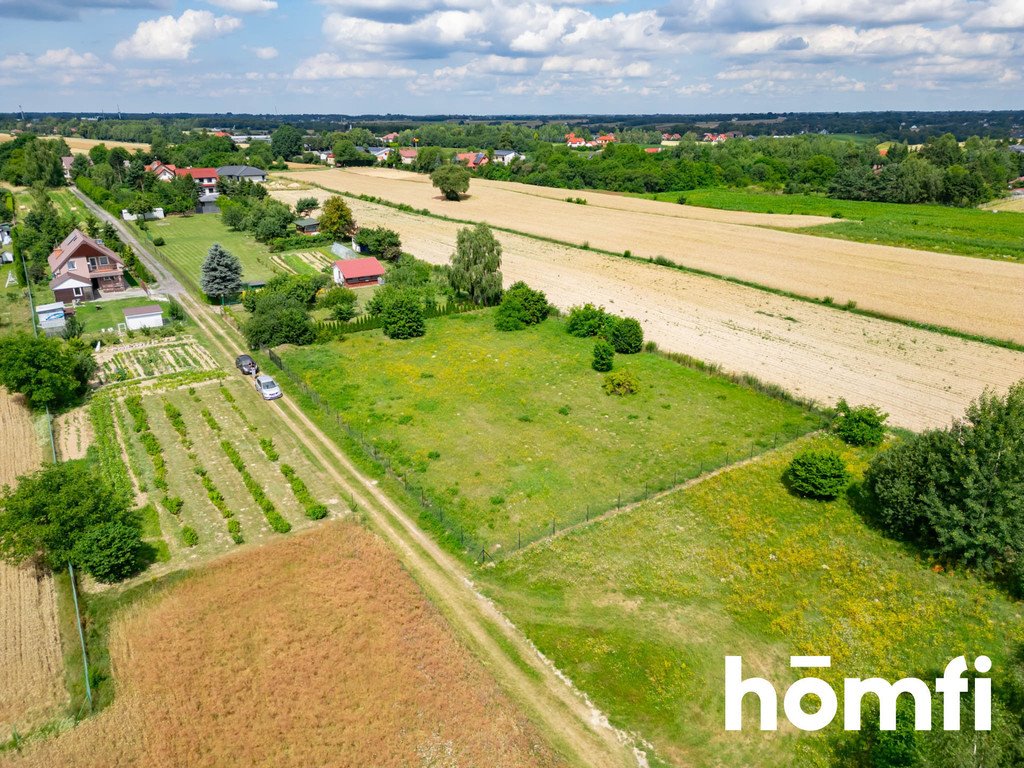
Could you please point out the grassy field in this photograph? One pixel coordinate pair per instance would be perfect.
(640, 610)
(508, 432)
(967, 231)
(15, 314)
(66, 203)
(188, 240)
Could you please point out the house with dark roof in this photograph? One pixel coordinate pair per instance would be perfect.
(83, 269)
(307, 226)
(356, 273)
(239, 172)
(507, 156)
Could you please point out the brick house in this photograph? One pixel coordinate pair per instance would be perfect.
(83, 269)
(206, 177)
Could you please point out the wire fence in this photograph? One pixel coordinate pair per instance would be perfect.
(438, 514)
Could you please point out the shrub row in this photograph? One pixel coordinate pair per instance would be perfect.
(149, 442)
(274, 518)
(107, 448)
(230, 399)
(267, 444)
(174, 416)
(210, 420)
(314, 510)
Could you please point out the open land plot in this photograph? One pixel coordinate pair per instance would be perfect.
(1014, 204)
(508, 432)
(188, 240)
(15, 314)
(922, 379)
(640, 609)
(72, 432)
(967, 231)
(78, 144)
(967, 294)
(104, 315)
(148, 359)
(318, 649)
(31, 660)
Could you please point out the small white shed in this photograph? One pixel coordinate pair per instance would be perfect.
(50, 318)
(150, 316)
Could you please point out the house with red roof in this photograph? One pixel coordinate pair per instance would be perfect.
(163, 171)
(356, 273)
(572, 140)
(408, 155)
(389, 137)
(606, 139)
(471, 160)
(83, 269)
(206, 177)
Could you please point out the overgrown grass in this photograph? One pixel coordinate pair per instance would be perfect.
(473, 418)
(965, 231)
(641, 609)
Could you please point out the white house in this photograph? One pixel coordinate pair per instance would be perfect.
(507, 156)
(149, 316)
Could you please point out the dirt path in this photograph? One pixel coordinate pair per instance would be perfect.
(969, 294)
(922, 379)
(565, 715)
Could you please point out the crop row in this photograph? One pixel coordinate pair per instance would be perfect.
(108, 448)
(230, 399)
(314, 509)
(149, 442)
(274, 518)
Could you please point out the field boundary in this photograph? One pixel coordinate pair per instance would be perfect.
(668, 263)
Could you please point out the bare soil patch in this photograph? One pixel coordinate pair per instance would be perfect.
(973, 295)
(73, 433)
(314, 650)
(922, 378)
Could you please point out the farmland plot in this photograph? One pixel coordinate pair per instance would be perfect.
(31, 662)
(958, 292)
(149, 359)
(318, 649)
(922, 379)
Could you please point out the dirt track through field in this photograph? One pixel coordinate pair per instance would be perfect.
(922, 379)
(31, 664)
(978, 296)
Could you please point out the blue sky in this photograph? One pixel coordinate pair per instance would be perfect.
(502, 56)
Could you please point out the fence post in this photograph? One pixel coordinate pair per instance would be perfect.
(552, 527)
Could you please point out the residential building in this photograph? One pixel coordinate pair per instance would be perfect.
(66, 165)
(389, 137)
(471, 160)
(83, 269)
(307, 226)
(356, 273)
(507, 156)
(205, 177)
(239, 172)
(163, 171)
(408, 155)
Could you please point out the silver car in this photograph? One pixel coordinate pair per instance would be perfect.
(267, 387)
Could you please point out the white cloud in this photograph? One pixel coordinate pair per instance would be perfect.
(245, 6)
(1002, 14)
(327, 66)
(60, 65)
(174, 38)
(600, 68)
(265, 53)
(430, 35)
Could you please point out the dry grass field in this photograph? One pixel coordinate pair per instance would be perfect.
(31, 664)
(923, 379)
(227, 669)
(968, 294)
(73, 433)
(1007, 204)
(84, 145)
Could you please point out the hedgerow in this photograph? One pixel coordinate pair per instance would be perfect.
(274, 518)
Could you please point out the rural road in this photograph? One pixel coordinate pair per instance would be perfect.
(566, 717)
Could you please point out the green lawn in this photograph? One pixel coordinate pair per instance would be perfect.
(508, 432)
(66, 202)
(99, 316)
(966, 231)
(188, 240)
(15, 314)
(641, 609)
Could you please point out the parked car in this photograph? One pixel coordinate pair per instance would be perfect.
(246, 365)
(267, 387)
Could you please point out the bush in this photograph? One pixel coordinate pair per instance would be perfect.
(341, 301)
(627, 336)
(521, 306)
(402, 315)
(110, 551)
(267, 444)
(818, 474)
(859, 426)
(316, 511)
(189, 537)
(158, 240)
(603, 355)
(621, 383)
(586, 321)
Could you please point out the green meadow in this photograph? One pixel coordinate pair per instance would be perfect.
(509, 432)
(640, 609)
(965, 231)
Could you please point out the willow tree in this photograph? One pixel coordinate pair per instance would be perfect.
(475, 271)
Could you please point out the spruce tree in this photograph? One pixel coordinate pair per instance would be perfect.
(221, 275)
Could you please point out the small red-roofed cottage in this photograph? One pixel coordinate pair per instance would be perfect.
(605, 139)
(356, 273)
(163, 171)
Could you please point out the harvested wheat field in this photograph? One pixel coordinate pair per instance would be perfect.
(76, 144)
(922, 379)
(314, 650)
(31, 664)
(974, 295)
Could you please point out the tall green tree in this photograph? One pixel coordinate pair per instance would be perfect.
(336, 219)
(452, 180)
(286, 141)
(221, 274)
(475, 270)
(48, 371)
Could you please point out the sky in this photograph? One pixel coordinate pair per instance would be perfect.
(506, 57)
